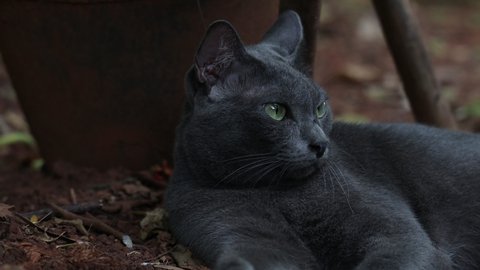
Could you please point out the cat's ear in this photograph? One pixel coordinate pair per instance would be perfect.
(286, 34)
(220, 47)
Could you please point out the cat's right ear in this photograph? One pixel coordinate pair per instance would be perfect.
(286, 34)
(220, 47)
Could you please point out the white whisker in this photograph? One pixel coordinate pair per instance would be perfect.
(331, 168)
(246, 168)
(268, 169)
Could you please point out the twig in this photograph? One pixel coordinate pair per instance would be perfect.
(74, 208)
(75, 222)
(73, 196)
(94, 222)
(158, 265)
(126, 240)
(160, 255)
(52, 239)
(45, 217)
(127, 205)
(28, 222)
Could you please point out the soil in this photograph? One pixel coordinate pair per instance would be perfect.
(33, 236)
(352, 64)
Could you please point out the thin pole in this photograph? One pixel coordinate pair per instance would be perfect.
(413, 64)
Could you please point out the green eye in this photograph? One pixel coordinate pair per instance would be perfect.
(275, 111)
(321, 110)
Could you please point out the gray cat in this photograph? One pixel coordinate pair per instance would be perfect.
(264, 180)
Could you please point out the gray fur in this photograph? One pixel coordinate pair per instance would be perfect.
(248, 192)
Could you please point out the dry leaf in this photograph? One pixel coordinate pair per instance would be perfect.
(153, 221)
(183, 257)
(5, 210)
(135, 189)
(34, 219)
(360, 73)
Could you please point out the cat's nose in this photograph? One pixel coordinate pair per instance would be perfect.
(319, 149)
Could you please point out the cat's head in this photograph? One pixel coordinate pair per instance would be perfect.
(252, 116)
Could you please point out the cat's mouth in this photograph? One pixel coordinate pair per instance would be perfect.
(306, 169)
(305, 172)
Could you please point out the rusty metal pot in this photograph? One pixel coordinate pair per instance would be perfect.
(101, 82)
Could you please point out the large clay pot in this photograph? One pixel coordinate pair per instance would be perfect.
(101, 82)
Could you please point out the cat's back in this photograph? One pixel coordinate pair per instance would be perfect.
(413, 157)
(423, 144)
(436, 171)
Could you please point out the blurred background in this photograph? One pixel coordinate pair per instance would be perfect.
(352, 64)
(355, 67)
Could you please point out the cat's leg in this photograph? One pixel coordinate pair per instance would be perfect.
(261, 241)
(413, 250)
(238, 233)
(266, 251)
(389, 255)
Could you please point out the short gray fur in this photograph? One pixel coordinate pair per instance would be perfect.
(250, 192)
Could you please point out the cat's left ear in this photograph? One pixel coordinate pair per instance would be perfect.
(220, 48)
(286, 34)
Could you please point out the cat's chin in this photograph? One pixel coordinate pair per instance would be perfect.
(306, 172)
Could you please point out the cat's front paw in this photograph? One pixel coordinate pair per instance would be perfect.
(233, 263)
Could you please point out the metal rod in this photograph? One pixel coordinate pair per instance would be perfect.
(413, 65)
